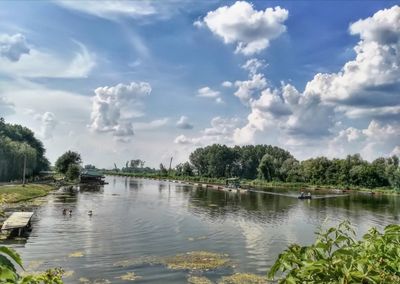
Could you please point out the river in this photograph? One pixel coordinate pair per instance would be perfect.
(136, 219)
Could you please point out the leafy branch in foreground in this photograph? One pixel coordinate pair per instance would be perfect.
(336, 257)
(9, 274)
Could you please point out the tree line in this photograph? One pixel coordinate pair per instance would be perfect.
(276, 164)
(18, 143)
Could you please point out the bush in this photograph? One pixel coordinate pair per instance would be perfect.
(336, 257)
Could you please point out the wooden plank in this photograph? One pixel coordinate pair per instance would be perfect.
(17, 220)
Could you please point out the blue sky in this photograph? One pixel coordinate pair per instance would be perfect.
(118, 80)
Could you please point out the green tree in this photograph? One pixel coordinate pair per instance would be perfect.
(66, 159)
(187, 169)
(73, 172)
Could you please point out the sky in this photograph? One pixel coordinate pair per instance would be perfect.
(150, 80)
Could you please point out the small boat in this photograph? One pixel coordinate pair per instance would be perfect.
(304, 197)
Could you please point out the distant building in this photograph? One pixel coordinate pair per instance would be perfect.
(91, 176)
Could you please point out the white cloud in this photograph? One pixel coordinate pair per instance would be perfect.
(48, 123)
(13, 47)
(111, 9)
(246, 89)
(249, 29)
(396, 151)
(372, 79)
(113, 107)
(207, 92)
(183, 140)
(367, 87)
(221, 131)
(227, 84)
(6, 107)
(43, 64)
(184, 123)
(154, 124)
(253, 65)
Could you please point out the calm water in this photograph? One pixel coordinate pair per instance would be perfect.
(136, 218)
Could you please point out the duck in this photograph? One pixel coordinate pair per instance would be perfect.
(90, 212)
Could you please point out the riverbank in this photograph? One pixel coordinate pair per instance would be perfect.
(260, 184)
(13, 193)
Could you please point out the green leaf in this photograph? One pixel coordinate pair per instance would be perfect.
(12, 254)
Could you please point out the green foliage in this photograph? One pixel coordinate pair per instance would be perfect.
(9, 274)
(72, 172)
(16, 143)
(163, 170)
(274, 164)
(336, 257)
(66, 159)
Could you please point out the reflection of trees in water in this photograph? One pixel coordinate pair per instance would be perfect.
(255, 206)
(359, 208)
(135, 184)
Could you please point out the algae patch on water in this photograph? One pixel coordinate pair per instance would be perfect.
(150, 260)
(130, 276)
(197, 260)
(199, 280)
(243, 278)
(76, 254)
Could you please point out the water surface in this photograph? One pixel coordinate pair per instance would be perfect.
(134, 219)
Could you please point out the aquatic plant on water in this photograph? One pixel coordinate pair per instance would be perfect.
(336, 257)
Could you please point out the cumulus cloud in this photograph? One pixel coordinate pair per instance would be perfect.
(47, 64)
(183, 123)
(207, 92)
(249, 29)
(246, 89)
(227, 84)
(366, 87)
(372, 79)
(221, 131)
(113, 107)
(13, 47)
(253, 65)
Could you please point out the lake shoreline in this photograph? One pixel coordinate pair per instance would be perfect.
(17, 193)
(258, 184)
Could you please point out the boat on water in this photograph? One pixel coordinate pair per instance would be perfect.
(304, 197)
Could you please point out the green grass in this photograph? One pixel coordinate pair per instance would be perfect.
(17, 193)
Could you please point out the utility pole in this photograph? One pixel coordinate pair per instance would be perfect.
(23, 177)
(170, 162)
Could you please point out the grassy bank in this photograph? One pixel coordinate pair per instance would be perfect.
(16, 193)
(259, 183)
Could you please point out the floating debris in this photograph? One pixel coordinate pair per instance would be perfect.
(76, 254)
(212, 205)
(101, 281)
(34, 265)
(84, 280)
(197, 238)
(243, 278)
(130, 276)
(199, 280)
(197, 260)
(68, 273)
(151, 260)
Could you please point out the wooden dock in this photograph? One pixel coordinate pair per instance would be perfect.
(17, 221)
